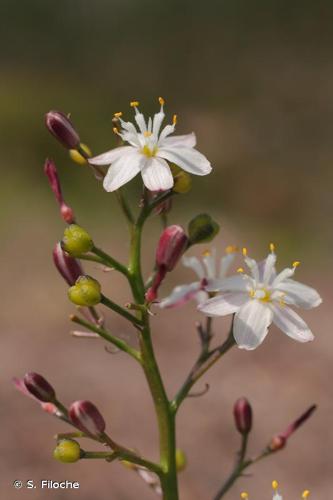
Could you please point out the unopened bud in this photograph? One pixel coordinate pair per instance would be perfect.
(202, 229)
(62, 129)
(66, 211)
(76, 241)
(69, 268)
(86, 292)
(87, 417)
(181, 460)
(182, 180)
(171, 246)
(39, 387)
(67, 451)
(243, 415)
(278, 442)
(80, 156)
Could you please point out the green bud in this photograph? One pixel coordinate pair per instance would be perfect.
(76, 241)
(182, 180)
(67, 451)
(202, 229)
(181, 460)
(85, 292)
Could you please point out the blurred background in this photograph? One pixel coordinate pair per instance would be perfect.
(254, 80)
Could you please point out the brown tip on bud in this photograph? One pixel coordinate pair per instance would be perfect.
(39, 387)
(87, 417)
(243, 415)
(62, 129)
(171, 246)
(69, 267)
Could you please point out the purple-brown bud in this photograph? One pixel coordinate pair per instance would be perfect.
(243, 415)
(171, 246)
(66, 211)
(278, 442)
(69, 268)
(62, 128)
(39, 387)
(87, 417)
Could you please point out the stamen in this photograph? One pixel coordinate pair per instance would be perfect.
(174, 119)
(252, 293)
(272, 247)
(161, 101)
(305, 494)
(296, 263)
(206, 253)
(231, 249)
(115, 130)
(118, 115)
(240, 270)
(281, 300)
(147, 133)
(244, 495)
(275, 485)
(244, 251)
(134, 104)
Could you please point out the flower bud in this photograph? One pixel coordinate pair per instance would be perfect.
(62, 128)
(81, 156)
(76, 241)
(202, 229)
(277, 443)
(171, 246)
(69, 268)
(87, 417)
(67, 451)
(181, 460)
(243, 415)
(86, 292)
(182, 180)
(66, 211)
(39, 387)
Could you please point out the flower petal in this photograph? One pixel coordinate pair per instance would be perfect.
(299, 295)
(237, 283)
(251, 324)
(123, 170)
(187, 140)
(222, 305)
(111, 156)
(157, 175)
(225, 264)
(290, 323)
(180, 295)
(194, 264)
(188, 159)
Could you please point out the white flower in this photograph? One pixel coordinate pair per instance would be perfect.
(261, 298)
(149, 151)
(207, 270)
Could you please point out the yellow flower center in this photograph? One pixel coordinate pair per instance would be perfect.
(262, 294)
(149, 152)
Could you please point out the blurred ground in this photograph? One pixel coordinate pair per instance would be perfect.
(254, 80)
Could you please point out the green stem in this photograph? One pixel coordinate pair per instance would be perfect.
(121, 344)
(125, 207)
(109, 261)
(120, 310)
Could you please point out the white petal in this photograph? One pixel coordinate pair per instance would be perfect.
(268, 271)
(123, 170)
(253, 266)
(290, 323)
(180, 295)
(222, 305)
(188, 159)
(187, 140)
(157, 175)
(157, 122)
(299, 295)
(226, 262)
(283, 275)
(237, 283)
(261, 268)
(195, 264)
(209, 260)
(112, 155)
(251, 324)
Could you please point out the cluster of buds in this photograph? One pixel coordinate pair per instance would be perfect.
(171, 246)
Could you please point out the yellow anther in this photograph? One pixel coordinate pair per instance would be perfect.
(275, 485)
(206, 253)
(244, 251)
(115, 130)
(134, 104)
(272, 247)
(161, 101)
(231, 249)
(147, 133)
(174, 119)
(118, 115)
(305, 494)
(244, 495)
(296, 263)
(240, 270)
(252, 293)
